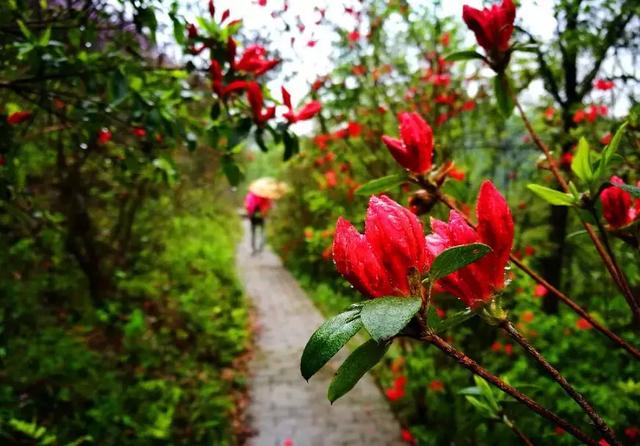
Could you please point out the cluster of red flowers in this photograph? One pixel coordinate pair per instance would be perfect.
(378, 262)
(618, 206)
(591, 114)
(242, 73)
(498, 347)
(397, 391)
(352, 130)
(18, 117)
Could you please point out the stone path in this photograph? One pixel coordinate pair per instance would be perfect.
(284, 409)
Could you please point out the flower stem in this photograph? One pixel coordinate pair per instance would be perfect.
(559, 294)
(612, 267)
(477, 369)
(600, 424)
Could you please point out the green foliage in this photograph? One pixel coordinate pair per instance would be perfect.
(452, 259)
(385, 317)
(354, 367)
(327, 340)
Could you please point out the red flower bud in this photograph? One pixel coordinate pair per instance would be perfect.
(603, 84)
(104, 136)
(617, 205)
(378, 263)
(307, 112)
(476, 283)
(415, 151)
(492, 26)
(192, 31)
(18, 117)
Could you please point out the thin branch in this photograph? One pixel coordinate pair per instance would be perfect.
(477, 369)
(602, 426)
(614, 270)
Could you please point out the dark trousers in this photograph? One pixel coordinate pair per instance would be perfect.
(257, 221)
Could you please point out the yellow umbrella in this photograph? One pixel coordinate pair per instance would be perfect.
(268, 187)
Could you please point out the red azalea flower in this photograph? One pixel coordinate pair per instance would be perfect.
(529, 250)
(540, 290)
(496, 347)
(492, 26)
(331, 179)
(378, 262)
(549, 113)
(406, 436)
(579, 116)
(632, 432)
(592, 114)
(415, 151)
(558, 430)
(436, 385)
(441, 80)
(508, 349)
(139, 132)
(455, 174)
(566, 159)
(16, 118)
(353, 36)
(394, 394)
(354, 129)
(469, 105)
(606, 138)
(445, 39)
(527, 316)
(603, 84)
(305, 113)
(253, 61)
(583, 324)
(442, 118)
(256, 101)
(359, 70)
(603, 442)
(617, 205)
(476, 283)
(192, 31)
(104, 136)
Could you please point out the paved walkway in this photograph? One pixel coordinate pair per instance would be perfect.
(284, 409)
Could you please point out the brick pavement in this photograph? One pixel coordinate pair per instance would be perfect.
(283, 406)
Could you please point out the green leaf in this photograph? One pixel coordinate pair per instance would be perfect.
(452, 259)
(581, 164)
(464, 55)
(291, 144)
(384, 317)
(442, 325)
(552, 196)
(503, 90)
(381, 184)
(487, 393)
(481, 406)
(354, 367)
(609, 152)
(525, 48)
(25, 31)
(231, 170)
(633, 190)
(328, 340)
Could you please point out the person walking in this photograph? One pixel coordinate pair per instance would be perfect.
(257, 208)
